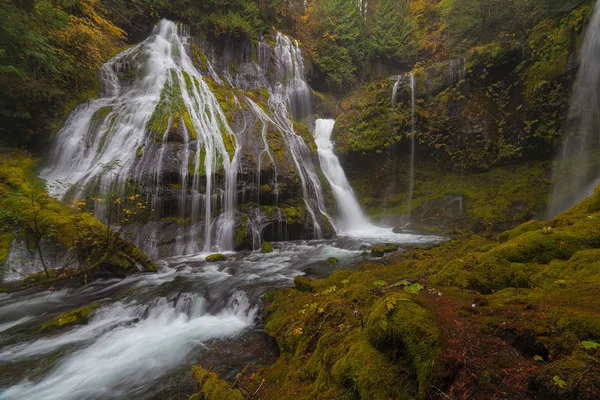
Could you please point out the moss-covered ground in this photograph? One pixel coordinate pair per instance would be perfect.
(28, 211)
(512, 318)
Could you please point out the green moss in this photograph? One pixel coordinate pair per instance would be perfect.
(397, 326)
(189, 125)
(379, 251)
(491, 202)
(241, 232)
(22, 198)
(230, 145)
(212, 388)
(266, 247)
(216, 258)
(75, 317)
(294, 215)
(139, 152)
(332, 260)
(203, 61)
(99, 117)
(5, 243)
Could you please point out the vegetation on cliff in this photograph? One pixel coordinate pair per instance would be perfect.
(30, 214)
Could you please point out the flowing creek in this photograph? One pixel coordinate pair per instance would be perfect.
(144, 332)
(147, 330)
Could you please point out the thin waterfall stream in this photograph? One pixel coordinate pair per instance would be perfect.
(409, 80)
(577, 167)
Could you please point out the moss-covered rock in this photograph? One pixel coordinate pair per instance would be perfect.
(216, 258)
(75, 317)
(267, 247)
(397, 326)
(380, 250)
(212, 388)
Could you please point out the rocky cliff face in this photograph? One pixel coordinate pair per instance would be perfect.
(214, 137)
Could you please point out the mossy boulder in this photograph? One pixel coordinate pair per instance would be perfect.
(75, 317)
(267, 247)
(380, 250)
(398, 326)
(529, 310)
(212, 388)
(216, 258)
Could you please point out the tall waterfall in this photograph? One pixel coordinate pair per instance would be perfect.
(160, 126)
(153, 95)
(411, 172)
(577, 169)
(291, 91)
(352, 217)
(412, 85)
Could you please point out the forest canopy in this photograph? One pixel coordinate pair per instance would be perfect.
(51, 50)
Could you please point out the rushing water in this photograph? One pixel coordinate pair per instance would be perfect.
(160, 126)
(577, 169)
(292, 92)
(113, 131)
(148, 329)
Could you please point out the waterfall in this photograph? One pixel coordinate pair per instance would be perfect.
(290, 76)
(411, 173)
(412, 85)
(395, 89)
(352, 217)
(458, 69)
(352, 220)
(159, 127)
(292, 92)
(577, 168)
(153, 95)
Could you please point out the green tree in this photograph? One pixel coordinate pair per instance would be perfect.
(391, 36)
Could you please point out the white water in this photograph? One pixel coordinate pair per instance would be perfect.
(458, 69)
(131, 347)
(577, 169)
(352, 217)
(125, 353)
(352, 220)
(87, 143)
(291, 92)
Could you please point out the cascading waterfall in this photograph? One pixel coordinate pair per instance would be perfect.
(164, 99)
(160, 127)
(577, 169)
(290, 74)
(352, 218)
(398, 80)
(292, 92)
(264, 120)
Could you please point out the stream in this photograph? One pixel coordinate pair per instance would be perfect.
(148, 329)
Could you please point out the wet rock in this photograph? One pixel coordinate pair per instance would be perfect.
(216, 258)
(266, 247)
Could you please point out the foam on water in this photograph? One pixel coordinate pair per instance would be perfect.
(148, 344)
